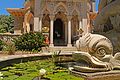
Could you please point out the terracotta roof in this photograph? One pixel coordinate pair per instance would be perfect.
(16, 11)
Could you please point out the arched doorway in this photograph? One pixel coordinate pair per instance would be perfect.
(59, 33)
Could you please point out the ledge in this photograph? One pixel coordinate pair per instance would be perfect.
(13, 59)
(109, 75)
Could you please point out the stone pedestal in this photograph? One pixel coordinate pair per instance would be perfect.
(110, 75)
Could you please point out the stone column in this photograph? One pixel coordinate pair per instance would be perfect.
(93, 6)
(80, 24)
(40, 24)
(51, 31)
(24, 27)
(69, 31)
(36, 15)
(84, 24)
(28, 27)
(36, 24)
(84, 17)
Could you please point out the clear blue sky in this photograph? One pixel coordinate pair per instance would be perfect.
(10, 4)
(16, 4)
(97, 2)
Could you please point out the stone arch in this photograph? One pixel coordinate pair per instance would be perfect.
(46, 11)
(61, 16)
(60, 26)
(61, 7)
(75, 12)
(45, 21)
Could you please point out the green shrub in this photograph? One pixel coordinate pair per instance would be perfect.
(30, 41)
(1, 45)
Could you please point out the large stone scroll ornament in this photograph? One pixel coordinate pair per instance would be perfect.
(95, 54)
(94, 44)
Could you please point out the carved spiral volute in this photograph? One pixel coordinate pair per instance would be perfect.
(96, 45)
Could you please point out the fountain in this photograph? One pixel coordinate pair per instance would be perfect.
(98, 55)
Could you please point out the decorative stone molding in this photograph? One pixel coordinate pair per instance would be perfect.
(69, 17)
(52, 17)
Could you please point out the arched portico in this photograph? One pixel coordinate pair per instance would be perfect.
(60, 29)
(63, 22)
(59, 32)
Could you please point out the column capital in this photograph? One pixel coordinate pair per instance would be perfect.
(52, 17)
(41, 16)
(79, 18)
(69, 17)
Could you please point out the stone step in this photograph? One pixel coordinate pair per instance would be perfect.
(109, 75)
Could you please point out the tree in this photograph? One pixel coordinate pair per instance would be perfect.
(6, 23)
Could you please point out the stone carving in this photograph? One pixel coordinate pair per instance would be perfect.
(94, 44)
(97, 54)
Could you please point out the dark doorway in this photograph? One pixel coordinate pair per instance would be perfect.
(59, 33)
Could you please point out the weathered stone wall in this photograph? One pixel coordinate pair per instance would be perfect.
(107, 21)
(8, 37)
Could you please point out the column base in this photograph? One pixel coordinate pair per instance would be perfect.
(69, 45)
(51, 45)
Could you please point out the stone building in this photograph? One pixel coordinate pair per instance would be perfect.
(61, 20)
